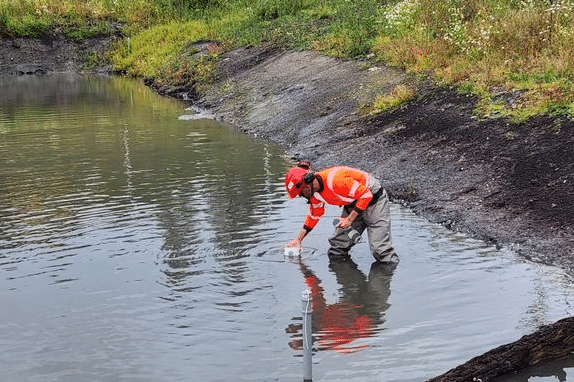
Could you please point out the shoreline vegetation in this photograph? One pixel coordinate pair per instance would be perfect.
(516, 57)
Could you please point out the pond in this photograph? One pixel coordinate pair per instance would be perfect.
(141, 243)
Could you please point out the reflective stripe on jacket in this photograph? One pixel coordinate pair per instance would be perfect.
(342, 186)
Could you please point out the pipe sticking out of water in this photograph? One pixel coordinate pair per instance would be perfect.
(307, 310)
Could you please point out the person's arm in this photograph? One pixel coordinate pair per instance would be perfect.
(347, 220)
(362, 196)
(316, 211)
(300, 236)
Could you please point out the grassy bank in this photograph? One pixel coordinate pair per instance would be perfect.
(516, 56)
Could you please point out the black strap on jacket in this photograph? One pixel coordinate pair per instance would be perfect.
(376, 196)
(349, 207)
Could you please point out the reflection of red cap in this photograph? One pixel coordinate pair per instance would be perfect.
(294, 181)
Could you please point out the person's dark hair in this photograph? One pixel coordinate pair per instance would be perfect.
(308, 178)
(304, 164)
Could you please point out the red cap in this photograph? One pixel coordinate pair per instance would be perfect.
(294, 181)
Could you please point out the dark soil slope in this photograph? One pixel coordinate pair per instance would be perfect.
(52, 53)
(512, 185)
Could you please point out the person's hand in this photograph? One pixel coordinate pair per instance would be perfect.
(294, 243)
(344, 222)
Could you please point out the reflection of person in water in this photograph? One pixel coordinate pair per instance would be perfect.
(358, 313)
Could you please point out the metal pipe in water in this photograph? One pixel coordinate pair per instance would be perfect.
(307, 310)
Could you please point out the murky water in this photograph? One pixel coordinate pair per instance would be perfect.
(136, 245)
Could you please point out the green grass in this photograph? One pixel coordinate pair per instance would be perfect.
(146, 53)
(516, 56)
(387, 102)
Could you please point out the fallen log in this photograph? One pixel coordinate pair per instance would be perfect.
(549, 342)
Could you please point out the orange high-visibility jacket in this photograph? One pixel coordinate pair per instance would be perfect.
(341, 186)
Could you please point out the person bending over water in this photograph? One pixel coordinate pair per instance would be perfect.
(365, 206)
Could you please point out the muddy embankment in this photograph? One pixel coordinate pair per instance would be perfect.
(53, 53)
(510, 185)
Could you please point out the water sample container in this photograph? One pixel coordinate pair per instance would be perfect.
(292, 251)
(353, 234)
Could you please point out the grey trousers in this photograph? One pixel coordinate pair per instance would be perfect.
(376, 219)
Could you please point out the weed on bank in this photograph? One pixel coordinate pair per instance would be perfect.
(516, 56)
